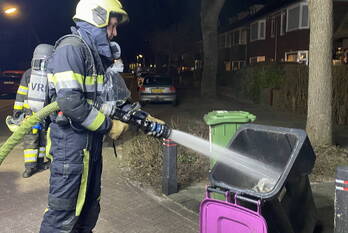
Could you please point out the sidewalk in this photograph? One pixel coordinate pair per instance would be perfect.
(125, 207)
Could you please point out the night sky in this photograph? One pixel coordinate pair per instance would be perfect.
(51, 19)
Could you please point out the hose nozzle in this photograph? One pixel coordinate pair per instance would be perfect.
(132, 113)
(156, 129)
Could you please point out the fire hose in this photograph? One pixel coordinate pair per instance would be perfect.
(126, 112)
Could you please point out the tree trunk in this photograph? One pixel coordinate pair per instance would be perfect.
(210, 11)
(319, 117)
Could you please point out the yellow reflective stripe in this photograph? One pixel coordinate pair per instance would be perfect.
(83, 186)
(26, 106)
(67, 79)
(30, 155)
(67, 75)
(48, 145)
(22, 90)
(90, 80)
(18, 107)
(24, 87)
(30, 152)
(90, 101)
(94, 120)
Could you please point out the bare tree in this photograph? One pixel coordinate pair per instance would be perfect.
(173, 41)
(210, 11)
(319, 118)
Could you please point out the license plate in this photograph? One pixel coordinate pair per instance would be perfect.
(8, 82)
(157, 90)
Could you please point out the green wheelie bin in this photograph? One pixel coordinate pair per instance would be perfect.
(222, 127)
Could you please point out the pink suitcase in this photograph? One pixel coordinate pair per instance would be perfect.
(228, 216)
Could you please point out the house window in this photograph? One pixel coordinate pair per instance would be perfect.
(262, 29)
(304, 20)
(297, 56)
(228, 41)
(297, 17)
(243, 37)
(230, 35)
(257, 59)
(254, 31)
(291, 56)
(228, 66)
(236, 37)
(273, 27)
(237, 65)
(282, 23)
(221, 42)
(258, 30)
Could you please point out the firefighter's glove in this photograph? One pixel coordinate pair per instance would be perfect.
(118, 127)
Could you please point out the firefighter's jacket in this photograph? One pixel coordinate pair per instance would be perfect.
(73, 86)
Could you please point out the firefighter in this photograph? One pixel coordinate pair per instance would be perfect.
(76, 73)
(30, 98)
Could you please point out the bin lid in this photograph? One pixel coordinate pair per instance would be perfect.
(220, 117)
(222, 217)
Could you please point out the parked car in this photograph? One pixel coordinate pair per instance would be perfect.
(9, 81)
(157, 88)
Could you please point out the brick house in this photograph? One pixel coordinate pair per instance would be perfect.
(276, 33)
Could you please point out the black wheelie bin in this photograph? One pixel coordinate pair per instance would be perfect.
(286, 198)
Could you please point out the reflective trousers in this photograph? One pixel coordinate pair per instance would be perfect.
(75, 181)
(34, 148)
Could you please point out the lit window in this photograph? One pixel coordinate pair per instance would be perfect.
(228, 66)
(257, 59)
(297, 56)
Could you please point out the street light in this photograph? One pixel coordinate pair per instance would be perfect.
(10, 11)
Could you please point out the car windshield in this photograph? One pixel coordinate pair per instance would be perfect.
(157, 80)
